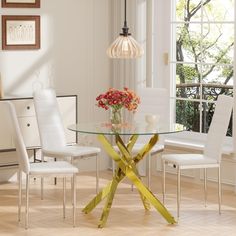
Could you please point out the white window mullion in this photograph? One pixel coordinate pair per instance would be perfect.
(234, 113)
(201, 63)
(201, 70)
(201, 21)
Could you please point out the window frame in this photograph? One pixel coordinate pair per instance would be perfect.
(173, 63)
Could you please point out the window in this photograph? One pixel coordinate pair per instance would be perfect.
(201, 59)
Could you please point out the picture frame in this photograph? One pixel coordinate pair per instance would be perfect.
(21, 3)
(20, 32)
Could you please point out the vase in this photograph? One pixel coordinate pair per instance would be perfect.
(115, 116)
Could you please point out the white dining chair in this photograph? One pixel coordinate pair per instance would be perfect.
(154, 101)
(52, 133)
(211, 157)
(43, 169)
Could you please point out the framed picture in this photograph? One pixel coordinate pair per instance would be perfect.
(20, 32)
(21, 3)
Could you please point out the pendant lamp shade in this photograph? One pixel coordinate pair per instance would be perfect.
(125, 46)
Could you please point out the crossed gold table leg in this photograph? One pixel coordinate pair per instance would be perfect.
(126, 167)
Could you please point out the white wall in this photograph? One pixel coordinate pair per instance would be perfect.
(74, 37)
(161, 35)
(72, 58)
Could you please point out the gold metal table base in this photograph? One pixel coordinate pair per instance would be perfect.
(126, 167)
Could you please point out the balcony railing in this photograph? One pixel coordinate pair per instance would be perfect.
(188, 111)
(210, 91)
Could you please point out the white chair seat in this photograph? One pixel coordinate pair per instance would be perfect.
(138, 146)
(157, 148)
(57, 168)
(72, 151)
(189, 159)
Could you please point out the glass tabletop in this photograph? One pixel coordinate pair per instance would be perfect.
(126, 128)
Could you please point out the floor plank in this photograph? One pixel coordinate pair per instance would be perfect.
(127, 215)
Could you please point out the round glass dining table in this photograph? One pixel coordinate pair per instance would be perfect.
(134, 128)
(125, 160)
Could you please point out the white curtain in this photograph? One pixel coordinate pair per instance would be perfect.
(123, 73)
(123, 70)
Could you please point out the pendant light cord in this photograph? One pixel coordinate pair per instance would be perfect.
(125, 29)
(125, 23)
(125, 46)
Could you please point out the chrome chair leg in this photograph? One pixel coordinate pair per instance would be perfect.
(148, 170)
(164, 180)
(132, 187)
(205, 186)
(42, 180)
(74, 200)
(64, 197)
(20, 194)
(97, 173)
(71, 181)
(27, 202)
(178, 191)
(42, 185)
(219, 189)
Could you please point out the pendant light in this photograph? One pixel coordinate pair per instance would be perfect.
(125, 46)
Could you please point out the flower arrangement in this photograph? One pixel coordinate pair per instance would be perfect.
(117, 99)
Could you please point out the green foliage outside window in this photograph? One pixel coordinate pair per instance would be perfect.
(204, 55)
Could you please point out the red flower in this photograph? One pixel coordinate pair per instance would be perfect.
(118, 99)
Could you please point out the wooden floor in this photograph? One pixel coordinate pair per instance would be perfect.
(127, 216)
